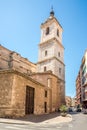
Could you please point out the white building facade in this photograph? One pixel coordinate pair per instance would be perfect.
(51, 50)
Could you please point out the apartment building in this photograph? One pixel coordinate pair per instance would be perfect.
(84, 79)
(78, 88)
(81, 82)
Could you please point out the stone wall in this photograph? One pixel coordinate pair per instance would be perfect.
(10, 59)
(46, 79)
(4, 58)
(13, 94)
(6, 83)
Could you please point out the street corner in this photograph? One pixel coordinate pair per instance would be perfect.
(58, 119)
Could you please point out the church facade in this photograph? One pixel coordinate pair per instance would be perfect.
(28, 88)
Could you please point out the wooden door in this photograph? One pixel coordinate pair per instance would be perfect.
(29, 108)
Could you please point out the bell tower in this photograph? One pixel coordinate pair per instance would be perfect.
(51, 50)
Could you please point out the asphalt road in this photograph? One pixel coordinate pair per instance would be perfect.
(79, 122)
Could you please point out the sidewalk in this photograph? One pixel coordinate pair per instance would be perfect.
(52, 118)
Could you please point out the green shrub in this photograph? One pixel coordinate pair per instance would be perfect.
(63, 108)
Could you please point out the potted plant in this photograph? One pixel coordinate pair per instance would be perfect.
(63, 110)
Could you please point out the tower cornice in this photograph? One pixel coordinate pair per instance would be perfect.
(48, 59)
(50, 20)
(50, 40)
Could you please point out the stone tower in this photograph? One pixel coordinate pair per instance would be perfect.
(51, 51)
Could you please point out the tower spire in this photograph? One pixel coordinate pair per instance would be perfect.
(52, 12)
(52, 8)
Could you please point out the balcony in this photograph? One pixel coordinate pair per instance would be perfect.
(85, 89)
(85, 98)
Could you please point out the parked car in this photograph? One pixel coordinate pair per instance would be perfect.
(85, 111)
(70, 109)
(78, 110)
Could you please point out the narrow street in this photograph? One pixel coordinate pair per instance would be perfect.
(79, 122)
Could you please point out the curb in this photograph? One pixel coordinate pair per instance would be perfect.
(9, 121)
(50, 121)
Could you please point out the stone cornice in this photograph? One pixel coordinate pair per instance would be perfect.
(13, 71)
(50, 40)
(5, 48)
(49, 73)
(45, 73)
(51, 59)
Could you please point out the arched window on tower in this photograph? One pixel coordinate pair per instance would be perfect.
(46, 53)
(58, 54)
(60, 70)
(57, 32)
(47, 30)
(45, 68)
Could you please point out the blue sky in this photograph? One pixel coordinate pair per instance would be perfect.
(20, 22)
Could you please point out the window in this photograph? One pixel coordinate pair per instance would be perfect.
(45, 93)
(46, 53)
(58, 54)
(45, 107)
(83, 80)
(84, 70)
(59, 70)
(47, 30)
(49, 82)
(45, 68)
(57, 32)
